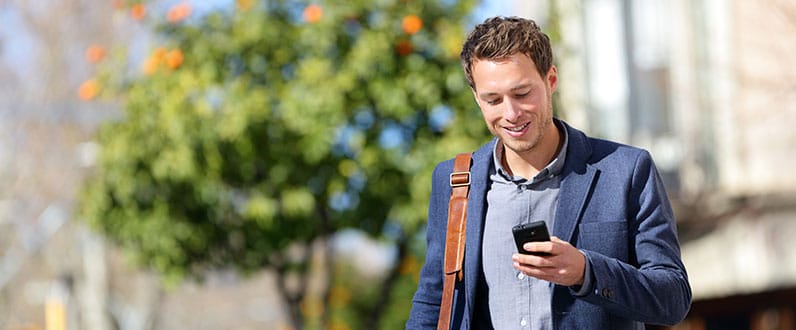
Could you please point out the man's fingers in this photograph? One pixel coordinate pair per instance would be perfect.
(542, 247)
(531, 260)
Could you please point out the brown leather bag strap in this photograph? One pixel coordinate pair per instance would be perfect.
(455, 236)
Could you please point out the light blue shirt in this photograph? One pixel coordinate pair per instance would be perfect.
(517, 301)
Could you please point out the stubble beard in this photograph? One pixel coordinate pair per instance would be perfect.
(526, 146)
(521, 147)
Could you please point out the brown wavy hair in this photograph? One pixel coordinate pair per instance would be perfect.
(499, 37)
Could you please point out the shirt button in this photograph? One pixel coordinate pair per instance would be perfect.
(523, 322)
(608, 293)
(520, 276)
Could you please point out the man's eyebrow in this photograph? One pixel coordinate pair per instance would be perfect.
(522, 86)
(486, 95)
(513, 89)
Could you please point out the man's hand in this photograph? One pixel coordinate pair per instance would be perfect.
(564, 265)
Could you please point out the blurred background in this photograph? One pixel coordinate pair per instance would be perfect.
(265, 164)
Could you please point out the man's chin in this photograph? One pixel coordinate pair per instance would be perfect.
(518, 147)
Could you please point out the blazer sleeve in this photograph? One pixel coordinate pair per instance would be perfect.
(652, 285)
(426, 301)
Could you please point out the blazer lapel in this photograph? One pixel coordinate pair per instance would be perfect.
(578, 178)
(575, 189)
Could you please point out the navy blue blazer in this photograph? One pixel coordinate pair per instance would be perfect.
(612, 206)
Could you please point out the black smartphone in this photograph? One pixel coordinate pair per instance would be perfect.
(530, 232)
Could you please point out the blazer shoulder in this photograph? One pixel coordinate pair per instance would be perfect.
(480, 157)
(586, 147)
(602, 148)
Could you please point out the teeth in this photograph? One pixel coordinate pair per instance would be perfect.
(516, 129)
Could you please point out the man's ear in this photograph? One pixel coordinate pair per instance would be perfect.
(552, 78)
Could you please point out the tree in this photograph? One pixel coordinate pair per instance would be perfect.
(251, 132)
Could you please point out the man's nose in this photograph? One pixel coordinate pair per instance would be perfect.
(510, 111)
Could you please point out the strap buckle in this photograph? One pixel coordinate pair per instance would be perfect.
(458, 179)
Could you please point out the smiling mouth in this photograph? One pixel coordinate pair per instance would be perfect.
(517, 128)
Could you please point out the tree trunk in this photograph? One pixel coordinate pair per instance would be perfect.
(291, 301)
(292, 298)
(328, 264)
(328, 269)
(375, 316)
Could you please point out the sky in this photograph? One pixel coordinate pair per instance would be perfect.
(491, 8)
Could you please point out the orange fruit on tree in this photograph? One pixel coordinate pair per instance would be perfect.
(159, 53)
(137, 11)
(312, 13)
(244, 5)
(95, 53)
(88, 90)
(179, 12)
(412, 24)
(150, 66)
(404, 47)
(152, 63)
(174, 58)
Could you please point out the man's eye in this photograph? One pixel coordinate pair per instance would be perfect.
(493, 101)
(519, 96)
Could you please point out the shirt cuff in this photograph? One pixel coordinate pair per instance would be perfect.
(588, 278)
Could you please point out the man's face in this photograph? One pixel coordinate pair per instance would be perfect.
(516, 102)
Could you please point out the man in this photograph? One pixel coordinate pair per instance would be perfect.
(614, 259)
